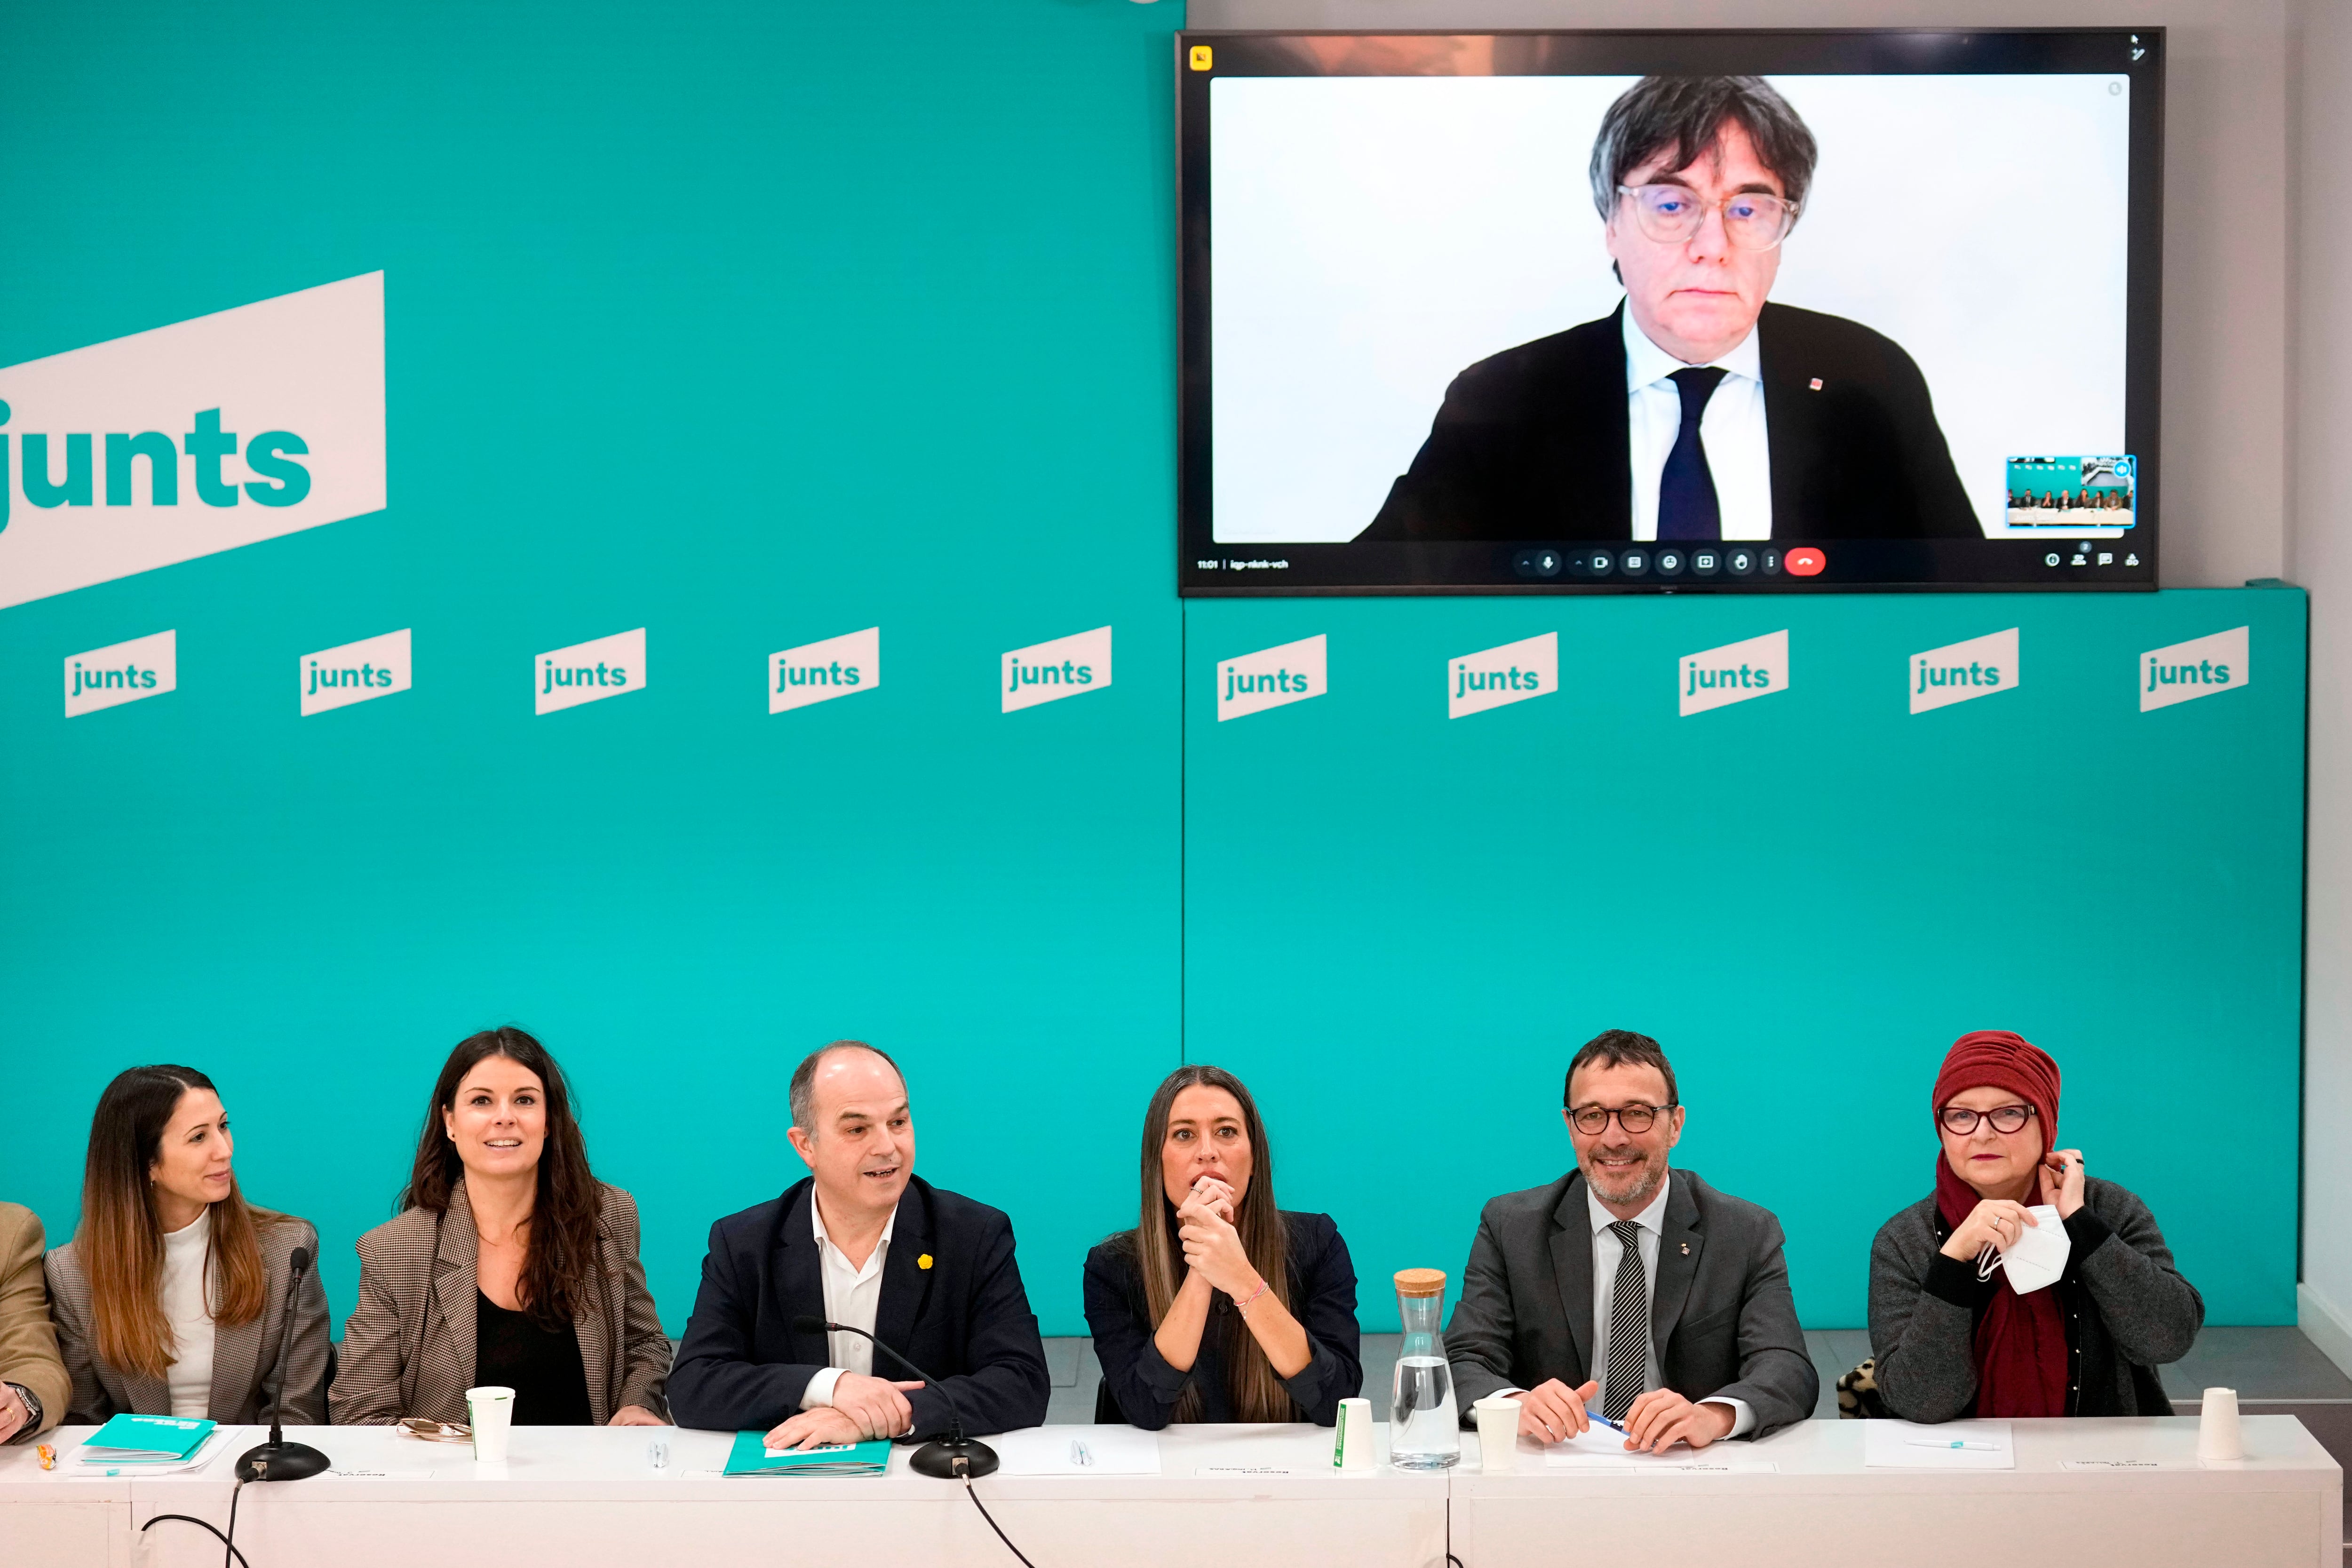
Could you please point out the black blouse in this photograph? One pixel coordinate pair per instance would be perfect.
(541, 1366)
(1143, 1388)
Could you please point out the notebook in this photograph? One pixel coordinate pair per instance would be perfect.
(752, 1456)
(146, 1440)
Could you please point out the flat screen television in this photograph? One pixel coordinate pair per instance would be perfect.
(1776, 311)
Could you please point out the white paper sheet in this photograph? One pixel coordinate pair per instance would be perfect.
(1599, 1449)
(1907, 1445)
(1077, 1451)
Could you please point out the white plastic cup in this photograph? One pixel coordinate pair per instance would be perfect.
(1499, 1435)
(2218, 1436)
(491, 1411)
(1351, 1438)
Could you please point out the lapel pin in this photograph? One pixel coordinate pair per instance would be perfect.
(1817, 384)
(1686, 1245)
(925, 1260)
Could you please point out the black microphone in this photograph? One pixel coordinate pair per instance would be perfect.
(945, 1458)
(278, 1459)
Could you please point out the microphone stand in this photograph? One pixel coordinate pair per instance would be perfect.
(952, 1457)
(278, 1459)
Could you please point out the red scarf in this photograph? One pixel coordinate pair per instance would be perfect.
(2021, 1343)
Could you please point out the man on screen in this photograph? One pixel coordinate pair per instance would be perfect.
(1697, 411)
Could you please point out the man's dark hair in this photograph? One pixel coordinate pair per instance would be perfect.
(803, 1090)
(1614, 1048)
(1681, 116)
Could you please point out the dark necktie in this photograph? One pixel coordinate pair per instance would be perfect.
(1628, 1319)
(1686, 507)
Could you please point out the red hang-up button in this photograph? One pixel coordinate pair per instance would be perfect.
(1806, 562)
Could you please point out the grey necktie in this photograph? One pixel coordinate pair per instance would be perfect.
(1629, 1325)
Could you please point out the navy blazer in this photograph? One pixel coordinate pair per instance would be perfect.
(964, 1318)
(1141, 1387)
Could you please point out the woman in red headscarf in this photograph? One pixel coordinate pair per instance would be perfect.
(1951, 1334)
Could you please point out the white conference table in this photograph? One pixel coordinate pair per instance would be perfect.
(587, 1497)
(2283, 1503)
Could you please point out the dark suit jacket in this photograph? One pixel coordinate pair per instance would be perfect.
(1140, 1388)
(1532, 443)
(1722, 1316)
(965, 1319)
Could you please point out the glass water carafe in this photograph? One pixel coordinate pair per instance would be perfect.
(1424, 1426)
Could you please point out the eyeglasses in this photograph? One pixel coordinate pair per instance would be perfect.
(1752, 220)
(1593, 1119)
(1959, 1120)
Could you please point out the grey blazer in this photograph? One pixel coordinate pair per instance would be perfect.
(245, 1368)
(408, 1346)
(1723, 1320)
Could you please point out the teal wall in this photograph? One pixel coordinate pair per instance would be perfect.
(755, 324)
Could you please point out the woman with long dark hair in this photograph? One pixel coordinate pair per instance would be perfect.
(510, 1264)
(171, 1298)
(1219, 1306)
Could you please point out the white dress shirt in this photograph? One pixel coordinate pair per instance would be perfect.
(852, 1295)
(1606, 1252)
(187, 1306)
(1731, 431)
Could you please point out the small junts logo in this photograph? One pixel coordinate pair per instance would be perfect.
(356, 672)
(1511, 673)
(2201, 667)
(191, 439)
(1732, 673)
(1271, 678)
(1959, 671)
(589, 671)
(121, 672)
(1049, 671)
(820, 671)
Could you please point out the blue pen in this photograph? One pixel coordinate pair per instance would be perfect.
(1599, 1420)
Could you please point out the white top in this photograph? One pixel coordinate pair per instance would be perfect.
(852, 1295)
(188, 1289)
(1731, 431)
(1606, 1252)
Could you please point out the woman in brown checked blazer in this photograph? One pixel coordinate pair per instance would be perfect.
(508, 1266)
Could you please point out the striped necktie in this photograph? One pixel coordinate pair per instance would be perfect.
(1629, 1326)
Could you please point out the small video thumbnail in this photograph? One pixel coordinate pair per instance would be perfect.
(2071, 493)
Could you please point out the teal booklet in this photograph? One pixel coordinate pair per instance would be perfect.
(752, 1456)
(146, 1440)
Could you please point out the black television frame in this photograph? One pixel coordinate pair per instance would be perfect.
(1205, 569)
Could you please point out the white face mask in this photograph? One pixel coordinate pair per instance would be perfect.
(2039, 1255)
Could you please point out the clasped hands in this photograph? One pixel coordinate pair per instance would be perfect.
(1212, 1248)
(863, 1407)
(1552, 1411)
(1998, 1223)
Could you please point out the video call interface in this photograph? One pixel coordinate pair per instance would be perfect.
(1611, 312)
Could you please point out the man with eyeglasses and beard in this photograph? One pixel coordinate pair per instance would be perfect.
(1696, 411)
(1624, 1286)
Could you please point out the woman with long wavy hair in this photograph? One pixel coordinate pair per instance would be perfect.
(1219, 1306)
(508, 1265)
(171, 1298)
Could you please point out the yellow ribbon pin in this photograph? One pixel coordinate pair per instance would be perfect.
(924, 1261)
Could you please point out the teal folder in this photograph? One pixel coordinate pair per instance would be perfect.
(750, 1456)
(146, 1440)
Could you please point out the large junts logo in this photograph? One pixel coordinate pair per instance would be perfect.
(191, 439)
(1049, 671)
(121, 672)
(1273, 678)
(1511, 673)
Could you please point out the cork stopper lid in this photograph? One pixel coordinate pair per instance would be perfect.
(1421, 1281)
